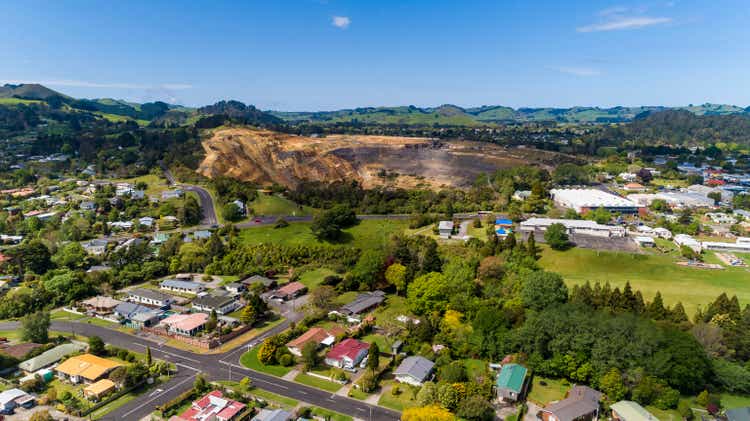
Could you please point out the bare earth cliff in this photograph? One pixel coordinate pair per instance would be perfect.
(267, 157)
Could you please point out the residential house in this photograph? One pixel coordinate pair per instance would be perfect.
(630, 411)
(146, 221)
(49, 357)
(185, 324)
(347, 354)
(185, 287)
(272, 415)
(85, 368)
(87, 205)
(634, 187)
(98, 268)
(241, 206)
(130, 311)
(121, 225)
(688, 241)
(445, 229)
(221, 305)
(581, 403)
(262, 280)
(235, 288)
(289, 291)
(316, 335)
(96, 391)
(144, 319)
(101, 304)
(201, 235)
(213, 407)
(19, 351)
(511, 382)
(644, 241)
(414, 370)
(721, 218)
(95, 247)
(13, 398)
(172, 194)
(362, 303)
(159, 239)
(150, 297)
(521, 195)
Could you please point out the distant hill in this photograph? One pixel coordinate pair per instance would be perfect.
(453, 115)
(29, 91)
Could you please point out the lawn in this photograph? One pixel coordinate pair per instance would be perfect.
(272, 397)
(156, 184)
(553, 390)
(649, 273)
(271, 204)
(475, 368)
(65, 315)
(250, 360)
(734, 401)
(313, 278)
(367, 234)
(330, 415)
(313, 381)
(401, 401)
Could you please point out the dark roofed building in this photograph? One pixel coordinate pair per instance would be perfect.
(150, 297)
(20, 351)
(414, 370)
(363, 302)
(580, 403)
(257, 279)
(219, 304)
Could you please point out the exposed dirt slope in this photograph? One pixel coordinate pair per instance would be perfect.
(267, 157)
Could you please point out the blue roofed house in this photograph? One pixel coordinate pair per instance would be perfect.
(511, 382)
(414, 370)
(503, 227)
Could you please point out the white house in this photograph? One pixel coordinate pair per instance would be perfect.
(414, 370)
(445, 228)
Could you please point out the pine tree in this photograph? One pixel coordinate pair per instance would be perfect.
(148, 356)
(640, 306)
(678, 314)
(655, 309)
(628, 298)
(531, 247)
(373, 359)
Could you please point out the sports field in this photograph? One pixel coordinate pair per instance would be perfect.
(650, 273)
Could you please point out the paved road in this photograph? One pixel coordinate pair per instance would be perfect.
(207, 204)
(216, 367)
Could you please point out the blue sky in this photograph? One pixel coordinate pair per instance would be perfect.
(322, 55)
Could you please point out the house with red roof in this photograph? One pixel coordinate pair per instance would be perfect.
(347, 354)
(185, 324)
(317, 335)
(213, 406)
(289, 291)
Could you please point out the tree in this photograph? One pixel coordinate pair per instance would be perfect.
(491, 268)
(200, 384)
(611, 384)
(212, 322)
(119, 376)
(42, 415)
(231, 212)
(33, 256)
(248, 316)
(716, 196)
(454, 372)
(476, 408)
(149, 361)
(35, 327)
(310, 358)
(557, 237)
(543, 289)
(396, 276)
(71, 255)
(373, 357)
(599, 215)
(644, 175)
(428, 293)
(323, 297)
(96, 346)
(449, 396)
(427, 395)
(328, 224)
(369, 269)
(267, 351)
(427, 413)
(570, 174)
(246, 384)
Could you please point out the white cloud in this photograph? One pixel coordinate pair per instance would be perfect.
(579, 71)
(623, 22)
(105, 85)
(341, 22)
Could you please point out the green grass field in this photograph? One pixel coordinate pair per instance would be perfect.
(649, 273)
(250, 360)
(551, 390)
(399, 402)
(16, 101)
(368, 234)
(329, 415)
(156, 184)
(270, 204)
(316, 382)
(313, 278)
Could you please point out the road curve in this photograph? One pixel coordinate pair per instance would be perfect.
(216, 367)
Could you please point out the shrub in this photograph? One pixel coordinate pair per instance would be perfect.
(286, 360)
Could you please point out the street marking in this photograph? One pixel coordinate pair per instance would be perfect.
(187, 366)
(169, 353)
(302, 392)
(154, 398)
(361, 409)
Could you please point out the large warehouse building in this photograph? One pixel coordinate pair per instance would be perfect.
(573, 226)
(584, 200)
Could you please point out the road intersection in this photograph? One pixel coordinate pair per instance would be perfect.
(224, 366)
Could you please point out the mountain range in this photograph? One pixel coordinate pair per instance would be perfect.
(444, 115)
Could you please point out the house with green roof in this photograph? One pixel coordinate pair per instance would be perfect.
(50, 357)
(511, 382)
(631, 411)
